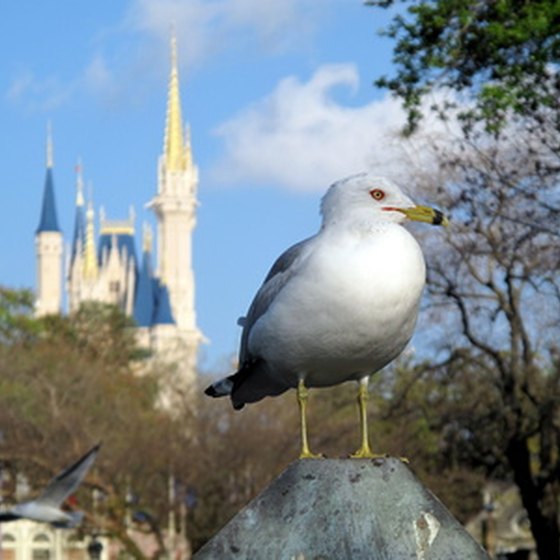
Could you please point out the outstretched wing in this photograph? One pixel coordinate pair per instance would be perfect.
(67, 481)
(279, 275)
(74, 519)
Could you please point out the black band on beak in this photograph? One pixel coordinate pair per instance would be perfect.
(438, 218)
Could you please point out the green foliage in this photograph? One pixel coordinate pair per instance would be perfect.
(17, 323)
(72, 384)
(99, 330)
(503, 52)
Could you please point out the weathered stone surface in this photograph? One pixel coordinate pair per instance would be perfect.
(344, 509)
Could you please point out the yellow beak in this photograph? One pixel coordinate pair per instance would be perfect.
(425, 214)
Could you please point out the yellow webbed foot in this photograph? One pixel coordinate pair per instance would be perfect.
(365, 452)
(308, 455)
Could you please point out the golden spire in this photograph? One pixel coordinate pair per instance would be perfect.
(175, 153)
(49, 146)
(90, 259)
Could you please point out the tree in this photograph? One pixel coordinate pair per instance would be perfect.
(17, 323)
(236, 454)
(416, 405)
(74, 384)
(504, 53)
(493, 286)
(494, 296)
(101, 331)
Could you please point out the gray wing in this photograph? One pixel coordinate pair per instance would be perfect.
(279, 275)
(68, 480)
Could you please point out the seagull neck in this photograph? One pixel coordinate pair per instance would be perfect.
(359, 226)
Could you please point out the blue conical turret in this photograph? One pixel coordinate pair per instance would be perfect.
(48, 220)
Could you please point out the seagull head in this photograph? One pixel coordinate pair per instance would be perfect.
(369, 198)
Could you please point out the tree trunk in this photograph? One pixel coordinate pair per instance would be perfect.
(544, 525)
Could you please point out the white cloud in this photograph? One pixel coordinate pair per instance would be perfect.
(132, 50)
(47, 93)
(300, 137)
(206, 27)
(19, 86)
(38, 93)
(97, 76)
(192, 21)
(277, 25)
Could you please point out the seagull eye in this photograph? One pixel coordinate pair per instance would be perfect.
(377, 194)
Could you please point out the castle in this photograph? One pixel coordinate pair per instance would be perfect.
(107, 269)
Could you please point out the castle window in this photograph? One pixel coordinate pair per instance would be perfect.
(8, 539)
(41, 547)
(114, 287)
(8, 547)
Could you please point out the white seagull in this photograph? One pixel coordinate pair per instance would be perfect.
(338, 306)
(47, 507)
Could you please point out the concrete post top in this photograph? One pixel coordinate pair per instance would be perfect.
(373, 509)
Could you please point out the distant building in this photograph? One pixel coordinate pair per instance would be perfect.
(106, 267)
(27, 540)
(503, 527)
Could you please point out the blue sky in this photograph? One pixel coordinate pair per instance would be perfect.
(278, 95)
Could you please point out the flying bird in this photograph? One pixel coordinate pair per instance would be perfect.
(338, 306)
(47, 507)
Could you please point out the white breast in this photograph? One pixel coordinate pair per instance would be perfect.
(348, 310)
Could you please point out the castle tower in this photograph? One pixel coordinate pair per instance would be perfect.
(76, 261)
(174, 206)
(48, 246)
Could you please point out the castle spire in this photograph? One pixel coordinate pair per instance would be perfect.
(90, 259)
(174, 149)
(175, 208)
(79, 184)
(48, 220)
(78, 240)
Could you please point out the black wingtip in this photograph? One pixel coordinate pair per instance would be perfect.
(210, 391)
(6, 516)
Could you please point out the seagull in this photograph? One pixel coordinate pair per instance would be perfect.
(46, 508)
(338, 306)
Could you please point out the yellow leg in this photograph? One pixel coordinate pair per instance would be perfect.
(302, 396)
(364, 452)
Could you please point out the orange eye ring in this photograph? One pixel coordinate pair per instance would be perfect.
(377, 194)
